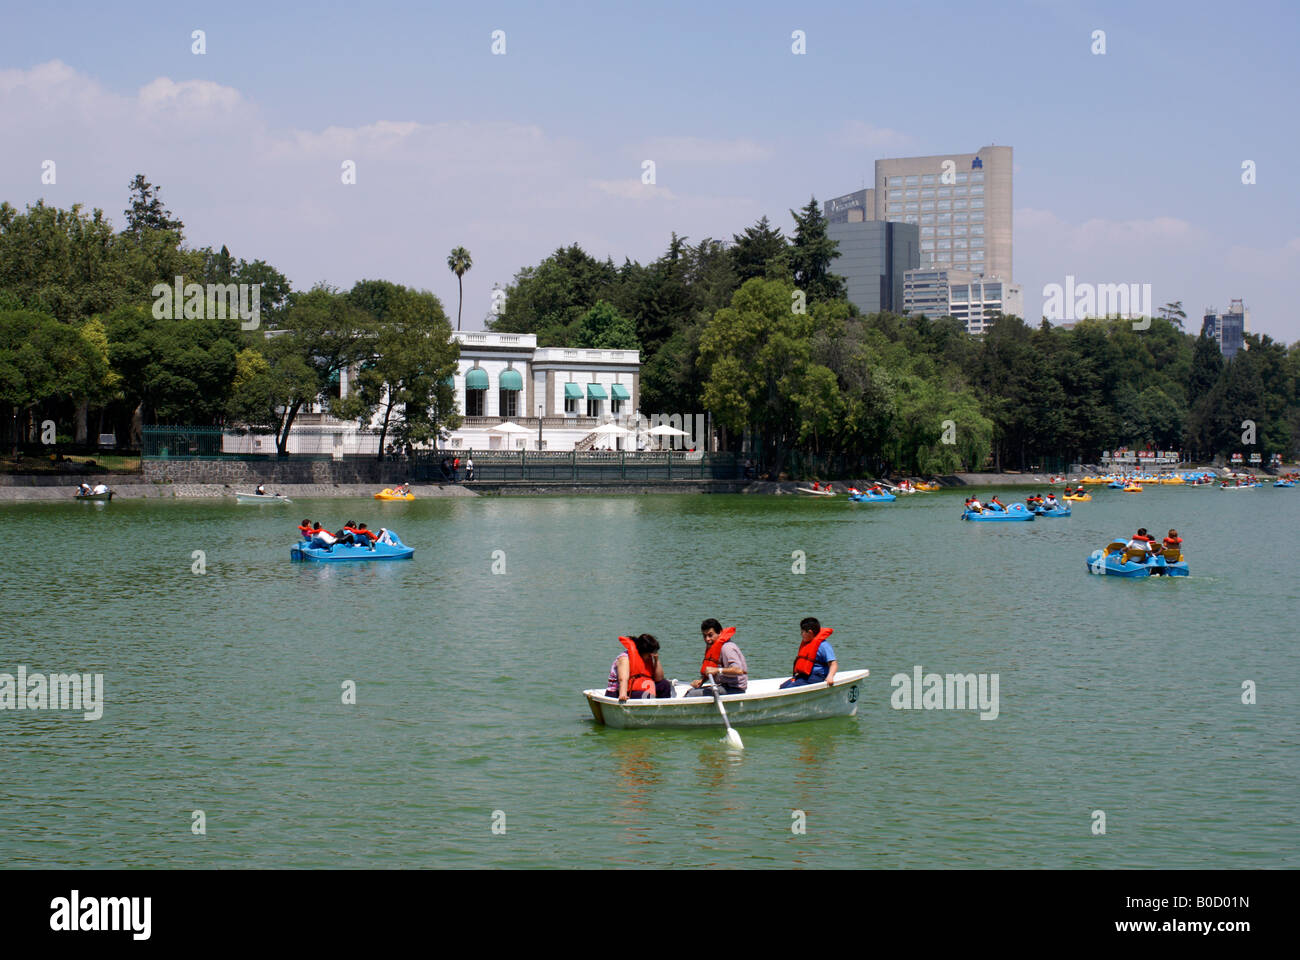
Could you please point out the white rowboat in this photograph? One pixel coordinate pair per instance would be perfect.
(764, 702)
(816, 493)
(262, 498)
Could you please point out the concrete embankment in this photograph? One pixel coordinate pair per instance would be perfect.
(210, 491)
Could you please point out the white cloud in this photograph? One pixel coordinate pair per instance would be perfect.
(857, 133)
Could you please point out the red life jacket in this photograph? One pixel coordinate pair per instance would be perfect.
(367, 532)
(1144, 538)
(639, 676)
(807, 657)
(1173, 541)
(305, 531)
(713, 655)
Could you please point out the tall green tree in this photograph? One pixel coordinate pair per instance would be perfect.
(403, 389)
(322, 333)
(459, 262)
(146, 211)
(811, 254)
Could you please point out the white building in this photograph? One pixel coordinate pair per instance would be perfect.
(973, 298)
(565, 393)
(560, 395)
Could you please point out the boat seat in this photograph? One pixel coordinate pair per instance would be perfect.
(1173, 555)
(1135, 556)
(1115, 547)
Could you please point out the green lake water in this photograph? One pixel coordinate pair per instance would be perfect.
(223, 690)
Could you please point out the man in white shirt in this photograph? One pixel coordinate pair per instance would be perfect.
(101, 488)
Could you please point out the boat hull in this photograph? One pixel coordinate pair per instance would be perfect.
(1053, 513)
(872, 498)
(1015, 512)
(763, 704)
(389, 495)
(94, 496)
(350, 552)
(1110, 566)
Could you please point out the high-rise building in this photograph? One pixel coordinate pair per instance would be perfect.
(961, 202)
(1228, 328)
(970, 297)
(873, 256)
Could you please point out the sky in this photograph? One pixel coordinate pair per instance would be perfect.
(1128, 163)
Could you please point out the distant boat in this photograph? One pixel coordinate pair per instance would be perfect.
(94, 496)
(262, 498)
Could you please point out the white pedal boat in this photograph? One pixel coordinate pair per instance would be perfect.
(262, 498)
(764, 702)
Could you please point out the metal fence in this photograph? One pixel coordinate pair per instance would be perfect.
(577, 466)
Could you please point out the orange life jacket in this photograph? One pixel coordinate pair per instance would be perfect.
(713, 655)
(1144, 538)
(807, 657)
(305, 531)
(1173, 541)
(639, 676)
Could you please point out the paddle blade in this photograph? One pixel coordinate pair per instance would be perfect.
(733, 739)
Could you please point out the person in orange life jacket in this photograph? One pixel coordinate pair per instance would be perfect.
(1142, 542)
(723, 662)
(305, 529)
(996, 504)
(973, 503)
(815, 661)
(357, 535)
(322, 538)
(1174, 541)
(636, 673)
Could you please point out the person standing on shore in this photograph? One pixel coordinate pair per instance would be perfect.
(469, 468)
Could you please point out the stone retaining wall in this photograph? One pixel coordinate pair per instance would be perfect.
(252, 472)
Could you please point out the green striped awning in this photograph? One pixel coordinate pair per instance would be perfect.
(620, 392)
(511, 380)
(595, 391)
(476, 379)
(572, 391)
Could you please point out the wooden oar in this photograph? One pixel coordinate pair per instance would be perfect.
(733, 738)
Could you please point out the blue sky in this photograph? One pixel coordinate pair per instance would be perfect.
(1128, 164)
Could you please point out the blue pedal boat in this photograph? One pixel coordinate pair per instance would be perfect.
(1017, 511)
(872, 498)
(345, 552)
(1113, 562)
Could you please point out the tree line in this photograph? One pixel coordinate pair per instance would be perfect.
(756, 330)
(84, 346)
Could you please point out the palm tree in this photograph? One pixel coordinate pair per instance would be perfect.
(458, 261)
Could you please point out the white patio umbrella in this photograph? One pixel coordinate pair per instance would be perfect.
(508, 428)
(663, 430)
(607, 431)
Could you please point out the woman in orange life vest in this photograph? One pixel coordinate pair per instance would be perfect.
(722, 660)
(1174, 542)
(636, 672)
(305, 529)
(815, 661)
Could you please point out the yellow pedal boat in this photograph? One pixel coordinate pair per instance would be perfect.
(387, 494)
